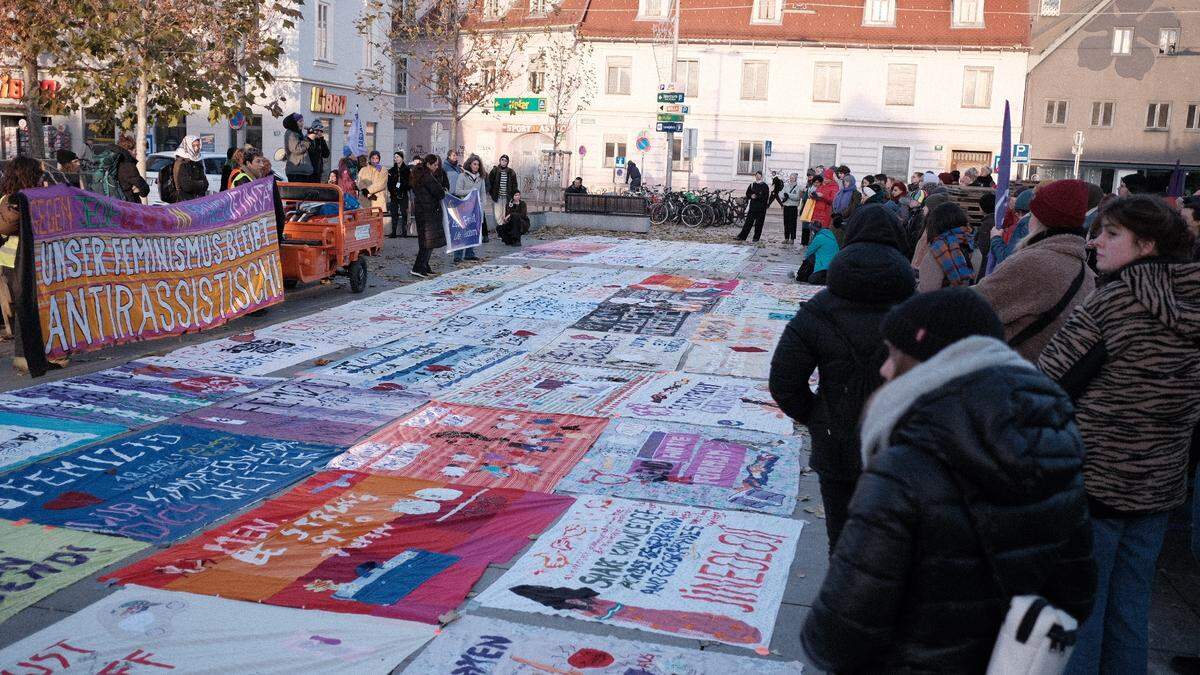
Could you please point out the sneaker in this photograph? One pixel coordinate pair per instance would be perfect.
(472, 258)
(416, 273)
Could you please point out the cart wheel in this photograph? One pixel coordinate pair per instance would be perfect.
(291, 283)
(357, 271)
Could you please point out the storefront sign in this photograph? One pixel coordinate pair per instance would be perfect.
(324, 102)
(520, 105)
(12, 88)
(521, 128)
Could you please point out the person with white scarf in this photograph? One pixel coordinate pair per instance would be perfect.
(188, 172)
(971, 494)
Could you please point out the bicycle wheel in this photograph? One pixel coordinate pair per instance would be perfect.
(692, 215)
(710, 215)
(659, 213)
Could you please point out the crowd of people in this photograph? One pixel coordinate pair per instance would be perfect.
(1004, 409)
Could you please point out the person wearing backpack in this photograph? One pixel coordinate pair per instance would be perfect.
(1037, 287)
(117, 173)
(187, 173)
(838, 332)
(971, 495)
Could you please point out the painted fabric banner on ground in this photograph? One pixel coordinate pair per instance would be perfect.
(27, 438)
(356, 543)
(462, 221)
(497, 331)
(541, 307)
(244, 354)
(711, 400)
(614, 350)
(37, 561)
(308, 410)
(685, 571)
(102, 271)
(145, 630)
(472, 445)
(762, 307)
(159, 484)
(345, 326)
(709, 290)
(552, 387)
(563, 249)
(693, 465)
(412, 309)
(631, 253)
(428, 367)
(508, 273)
(134, 394)
(734, 345)
(476, 644)
(711, 258)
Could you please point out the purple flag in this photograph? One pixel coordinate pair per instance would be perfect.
(1005, 170)
(1175, 189)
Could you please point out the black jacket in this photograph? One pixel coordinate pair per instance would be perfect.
(909, 588)
(427, 207)
(190, 181)
(128, 176)
(398, 177)
(493, 183)
(318, 152)
(866, 278)
(757, 196)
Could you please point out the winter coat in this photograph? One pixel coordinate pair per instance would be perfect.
(826, 191)
(792, 195)
(133, 185)
(493, 183)
(398, 177)
(374, 180)
(865, 280)
(453, 171)
(910, 588)
(930, 275)
(633, 176)
(296, 146)
(999, 249)
(190, 181)
(757, 196)
(1032, 281)
(318, 152)
(1128, 355)
(518, 218)
(467, 183)
(427, 208)
(822, 249)
(984, 181)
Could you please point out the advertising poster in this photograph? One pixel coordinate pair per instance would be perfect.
(411, 365)
(145, 630)
(472, 445)
(244, 354)
(133, 395)
(692, 465)
(497, 331)
(710, 400)
(614, 350)
(101, 271)
(355, 543)
(679, 570)
(27, 438)
(487, 645)
(552, 387)
(308, 410)
(156, 485)
(36, 561)
(462, 221)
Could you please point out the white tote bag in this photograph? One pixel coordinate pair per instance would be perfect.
(1036, 639)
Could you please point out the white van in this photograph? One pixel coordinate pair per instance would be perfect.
(213, 163)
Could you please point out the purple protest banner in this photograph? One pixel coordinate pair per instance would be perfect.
(463, 221)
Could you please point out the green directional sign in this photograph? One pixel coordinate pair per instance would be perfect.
(520, 104)
(669, 117)
(670, 97)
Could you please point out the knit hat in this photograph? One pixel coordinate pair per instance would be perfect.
(1062, 204)
(1024, 199)
(927, 323)
(64, 157)
(937, 199)
(929, 177)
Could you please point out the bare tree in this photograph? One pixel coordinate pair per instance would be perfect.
(570, 82)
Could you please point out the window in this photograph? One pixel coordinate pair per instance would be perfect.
(489, 75)
(1051, 7)
(537, 75)
(1158, 115)
(619, 69)
(402, 76)
(750, 157)
(977, 87)
(1168, 40)
(827, 82)
(367, 35)
(1102, 113)
(614, 147)
(1193, 117)
(822, 154)
(901, 84)
(491, 9)
(368, 133)
(654, 9)
(767, 11)
(879, 13)
(754, 80)
(537, 7)
(678, 163)
(968, 14)
(322, 31)
(1122, 42)
(688, 74)
(1056, 113)
(895, 162)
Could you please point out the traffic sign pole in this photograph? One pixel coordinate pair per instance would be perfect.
(674, 77)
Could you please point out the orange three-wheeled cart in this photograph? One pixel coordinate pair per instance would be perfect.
(321, 238)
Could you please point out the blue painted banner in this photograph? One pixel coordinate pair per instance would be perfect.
(27, 438)
(159, 484)
(463, 221)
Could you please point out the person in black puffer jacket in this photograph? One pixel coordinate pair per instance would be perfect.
(838, 332)
(972, 493)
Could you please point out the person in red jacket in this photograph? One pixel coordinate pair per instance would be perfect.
(826, 191)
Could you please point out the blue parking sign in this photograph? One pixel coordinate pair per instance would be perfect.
(1021, 153)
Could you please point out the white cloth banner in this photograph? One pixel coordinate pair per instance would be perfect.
(679, 570)
(712, 400)
(143, 630)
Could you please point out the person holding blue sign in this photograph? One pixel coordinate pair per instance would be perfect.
(470, 179)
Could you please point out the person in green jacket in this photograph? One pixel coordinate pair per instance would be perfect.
(820, 252)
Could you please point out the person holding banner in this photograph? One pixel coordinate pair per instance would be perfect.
(470, 179)
(427, 211)
(21, 173)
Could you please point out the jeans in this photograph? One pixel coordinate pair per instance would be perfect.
(1196, 517)
(835, 495)
(421, 264)
(790, 214)
(398, 210)
(754, 219)
(465, 254)
(1115, 638)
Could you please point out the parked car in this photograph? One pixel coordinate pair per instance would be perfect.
(212, 161)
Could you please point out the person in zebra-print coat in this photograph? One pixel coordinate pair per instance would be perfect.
(1129, 356)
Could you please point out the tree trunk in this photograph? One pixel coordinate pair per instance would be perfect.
(33, 105)
(454, 119)
(143, 97)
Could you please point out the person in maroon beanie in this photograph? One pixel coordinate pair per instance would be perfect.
(1036, 288)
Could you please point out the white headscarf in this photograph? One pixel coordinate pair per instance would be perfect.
(185, 149)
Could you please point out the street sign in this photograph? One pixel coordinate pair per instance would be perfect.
(669, 117)
(669, 127)
(1079, 137)
(520, 105)
(583, 151)
(237, 121)
(642, 143)
(1021, 153)
(673, 108)
(670, 97)
(767, 147)
(620, 161)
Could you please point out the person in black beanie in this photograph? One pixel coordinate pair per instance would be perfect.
(971, 493)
